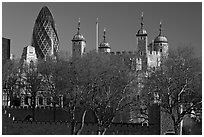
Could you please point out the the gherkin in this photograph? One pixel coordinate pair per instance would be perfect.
(44, 38)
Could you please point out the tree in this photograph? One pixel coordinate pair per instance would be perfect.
(11, 81)
(53, 72)
(106, 81)
(32, 83)
(62, 78)
(178, 83)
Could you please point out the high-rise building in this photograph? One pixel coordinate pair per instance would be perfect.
(44, 38)
(5, 50)
(29, 55)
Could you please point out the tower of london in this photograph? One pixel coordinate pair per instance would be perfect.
(148, 56)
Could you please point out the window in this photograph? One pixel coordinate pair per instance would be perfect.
(160, 49)
(138, 97)
(40, 101)
(48, 101)
(26, 101)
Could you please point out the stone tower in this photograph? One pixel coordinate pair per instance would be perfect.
(104, 45)
(161, 44)
(142, 44)
(78, 43)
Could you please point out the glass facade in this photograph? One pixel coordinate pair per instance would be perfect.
(44, 38)
(5, 50)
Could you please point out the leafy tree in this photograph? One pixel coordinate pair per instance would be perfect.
(178, 84)
(62, 78)
(53, 72)
(32, 83)
(105, 82)
(11, 81)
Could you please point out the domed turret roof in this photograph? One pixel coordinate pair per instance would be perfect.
(104, 43)
(142, 31)
(78, 36)
(160, 37)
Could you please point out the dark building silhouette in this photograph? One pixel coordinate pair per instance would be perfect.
(5, 50)
(44, 38)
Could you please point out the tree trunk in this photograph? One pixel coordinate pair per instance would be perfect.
(54, 112)
(82, 123)
(33, 107)
(73, 127)
(175, 124)
(104, 131)
(101, 130)
(7, 100)
(176, 129)
(73, 122)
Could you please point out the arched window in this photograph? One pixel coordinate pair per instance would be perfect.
(141, 53)
(26, 100)
(40, 100)
(48, 101)
(160, 49)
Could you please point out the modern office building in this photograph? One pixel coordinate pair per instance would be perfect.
(28, 55)
(5, 50)
(44, 37)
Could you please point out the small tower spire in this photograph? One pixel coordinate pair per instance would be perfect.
(78, 26)
(160, 28)
(142, 20)
(104, 34)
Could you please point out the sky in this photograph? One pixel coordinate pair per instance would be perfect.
(181, 23)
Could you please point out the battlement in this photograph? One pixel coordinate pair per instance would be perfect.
(124, 53)
(62, 126)
(154, 53)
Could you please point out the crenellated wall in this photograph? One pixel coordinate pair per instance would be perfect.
(11, 126)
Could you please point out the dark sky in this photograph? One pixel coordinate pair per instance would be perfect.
(181, 22)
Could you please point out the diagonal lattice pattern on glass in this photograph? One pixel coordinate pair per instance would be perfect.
(44, 38)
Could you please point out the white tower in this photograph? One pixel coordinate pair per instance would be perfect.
(104, 45)
(142, 44)
(161, 43)
(78, 43)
